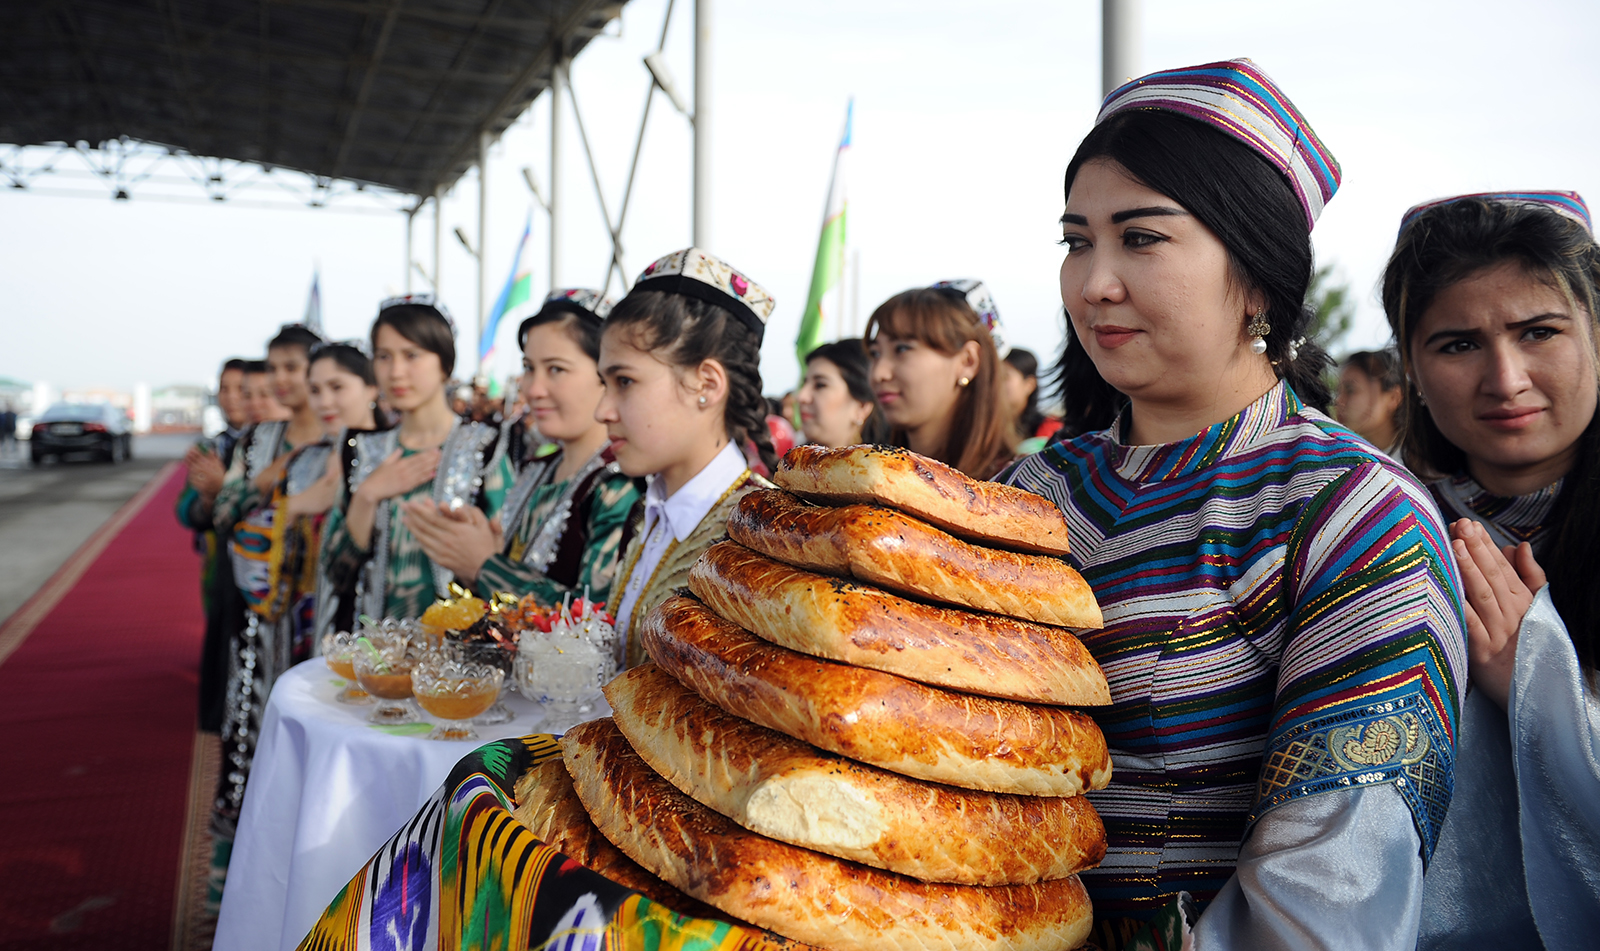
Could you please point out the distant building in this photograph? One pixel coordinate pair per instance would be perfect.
(16, 395)
(178, 407)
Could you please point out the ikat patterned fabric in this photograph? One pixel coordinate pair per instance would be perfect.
(1236, 97)
(464, 874)
(1282, 619)
(1566, 204)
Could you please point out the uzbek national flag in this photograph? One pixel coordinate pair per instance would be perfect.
(518, 290)
(829, 267)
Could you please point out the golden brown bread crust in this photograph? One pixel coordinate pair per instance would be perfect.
(791, 791)
(547, 807)
(796, 892)
(884, 547)
(878, 718)
(986, 512)
(856, 624)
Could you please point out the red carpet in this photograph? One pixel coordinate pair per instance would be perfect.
(97, 730)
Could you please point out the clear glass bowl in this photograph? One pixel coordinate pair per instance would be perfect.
(455, 690)
(495, 654)
(338, 652)
(384, 671)
(562, 671)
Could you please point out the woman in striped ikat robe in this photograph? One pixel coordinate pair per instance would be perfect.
(1283, 631)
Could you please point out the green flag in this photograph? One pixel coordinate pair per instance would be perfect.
(829, 266)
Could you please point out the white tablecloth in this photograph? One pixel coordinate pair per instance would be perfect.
(326, 790)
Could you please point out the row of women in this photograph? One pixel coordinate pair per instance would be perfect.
(1352, 707)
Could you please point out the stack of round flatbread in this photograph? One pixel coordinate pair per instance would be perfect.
(858, 729)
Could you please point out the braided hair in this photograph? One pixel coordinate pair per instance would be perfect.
(686, 331)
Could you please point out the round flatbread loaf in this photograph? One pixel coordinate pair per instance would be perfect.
(888, 548)
(797, 892)
(868, 627)
(888, 721)
(547, 807)
(986, 512)
(791, 791)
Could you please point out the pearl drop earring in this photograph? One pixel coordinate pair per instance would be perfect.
(1258, 329)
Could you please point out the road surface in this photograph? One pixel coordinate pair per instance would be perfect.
(46, 513)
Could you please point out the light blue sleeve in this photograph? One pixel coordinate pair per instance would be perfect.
(1555, 728)
(1338, 870)
(1518, 862)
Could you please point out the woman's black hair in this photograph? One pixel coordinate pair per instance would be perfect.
(581, 325)
(349, 358)
(1382, 366)
(1446, 245)
(1251, 209)
(855, 368)
(684, 332)
(255, 366)
(236, 363)
(423, 325)
(294, 335)
(1024, 362)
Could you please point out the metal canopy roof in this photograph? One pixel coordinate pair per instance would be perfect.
(392, 92)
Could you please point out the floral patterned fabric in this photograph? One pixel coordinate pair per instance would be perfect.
(465, 874)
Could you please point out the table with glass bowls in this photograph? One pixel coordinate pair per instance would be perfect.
(327, 789)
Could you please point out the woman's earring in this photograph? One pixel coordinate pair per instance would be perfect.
(963, 381)
(702, 401)
(1258, 329)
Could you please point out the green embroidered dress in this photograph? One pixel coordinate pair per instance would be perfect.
(564, 537)
(393, 577)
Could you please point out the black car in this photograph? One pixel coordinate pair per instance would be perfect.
(99, 429)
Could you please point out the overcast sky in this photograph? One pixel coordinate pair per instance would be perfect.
(966, 115)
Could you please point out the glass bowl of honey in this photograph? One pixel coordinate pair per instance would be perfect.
(338, 650)
(454, 690)
(383, 665)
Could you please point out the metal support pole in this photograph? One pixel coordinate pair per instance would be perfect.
(483, 233)
(438, 232)
(1119, 43)
(558, 95)
(702, 123)
(411, 217)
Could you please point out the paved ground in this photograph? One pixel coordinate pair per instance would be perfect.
(46, 513)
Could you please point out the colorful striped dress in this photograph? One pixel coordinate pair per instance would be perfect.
(1282, 620)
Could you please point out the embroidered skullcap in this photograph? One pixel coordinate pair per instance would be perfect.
(583, 301)
(430, 301)
(694, 273)
(1567, 204)
(1236, 97)
(976, 295)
